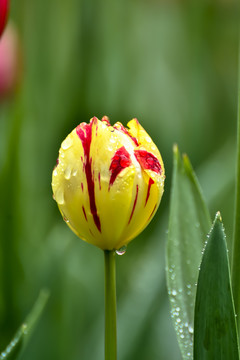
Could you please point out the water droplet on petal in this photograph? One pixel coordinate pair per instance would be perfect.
(67, 173)
(67, 143)
(122, 250)
(74, 173)
(112, 140)
(55, 172)
(59, 196)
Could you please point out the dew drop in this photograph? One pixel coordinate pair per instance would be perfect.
(24, 329)
(59, 196)
(74, 173)
(112, 140)
(67, 143)
(55, 172)
(174, 292)
(190, 329)
(122, 250)
(67, 173)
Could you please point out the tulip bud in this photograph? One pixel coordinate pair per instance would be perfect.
(3, 14)
(108, 182)
(10, 61)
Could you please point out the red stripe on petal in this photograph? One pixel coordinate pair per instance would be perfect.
(150, 182)
(84, 213)
(148, 161)
(134, 205)
(84, 132)
(121, 128)
(99, 181)
(152, 213)
(120, 161)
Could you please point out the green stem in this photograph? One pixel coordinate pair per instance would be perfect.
(236, 235)
(110, 306)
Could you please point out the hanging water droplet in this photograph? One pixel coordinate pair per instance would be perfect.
(122, 250)
(68, 172)
(67, 143)
(59, 196)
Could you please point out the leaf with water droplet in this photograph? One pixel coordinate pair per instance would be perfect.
(21, 338)
(189, 223)
(215, 333)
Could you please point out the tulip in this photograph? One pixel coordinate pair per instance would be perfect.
(108, 182)
(4, 4)
(10, 61)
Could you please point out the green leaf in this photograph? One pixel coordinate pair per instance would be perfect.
(188, 225)
(21, 338)
(215, 332)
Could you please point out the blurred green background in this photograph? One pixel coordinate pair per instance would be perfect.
(171, 64)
